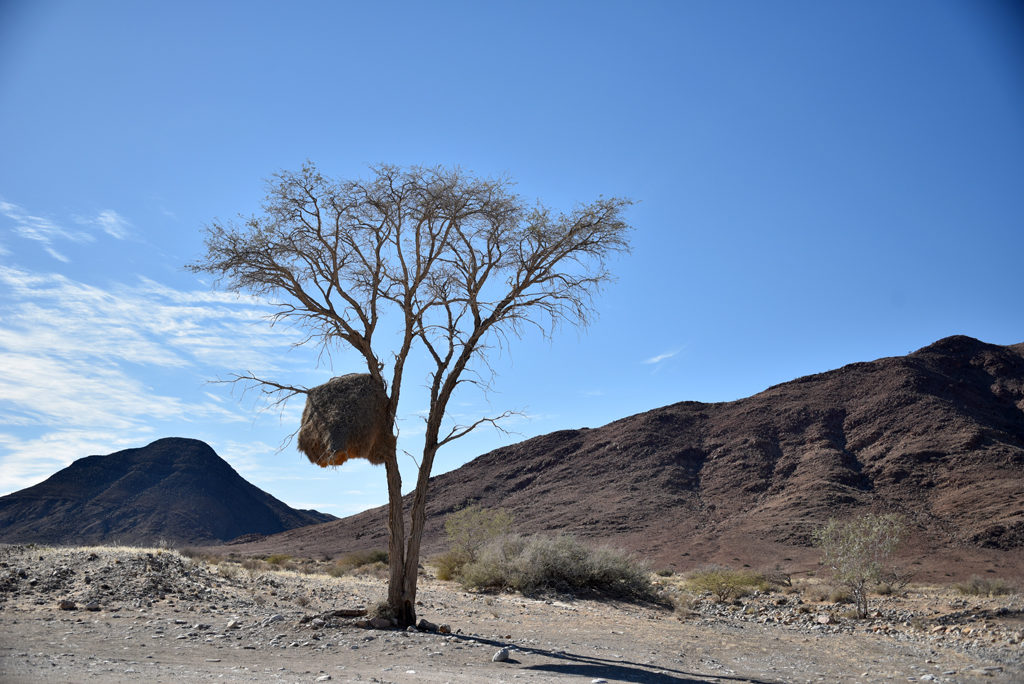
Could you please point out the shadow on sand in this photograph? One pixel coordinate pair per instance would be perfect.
(612, 670)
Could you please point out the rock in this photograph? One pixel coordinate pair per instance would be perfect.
(67, 605)
(824, 619)
(92, 606)
(501, 656)
(444, 629)
(324, 678)
(233, 624)
(272, 619)
(380, 623)
(426, 626)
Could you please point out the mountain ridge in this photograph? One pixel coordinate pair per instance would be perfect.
(175, 489)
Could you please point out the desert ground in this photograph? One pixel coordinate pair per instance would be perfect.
(131, 615)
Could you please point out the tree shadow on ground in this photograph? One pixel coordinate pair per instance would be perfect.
(611, 670)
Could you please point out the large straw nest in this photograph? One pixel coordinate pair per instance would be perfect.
(345, 418)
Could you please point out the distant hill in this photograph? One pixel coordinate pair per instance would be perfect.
(937, 435)
(177, 490)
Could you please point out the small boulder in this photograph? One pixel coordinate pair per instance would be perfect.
(501, 656)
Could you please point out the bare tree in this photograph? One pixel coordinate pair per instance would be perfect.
(456, 263)
(858, 551)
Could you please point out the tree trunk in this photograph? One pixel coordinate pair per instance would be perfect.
(401, 604)
(418, 522)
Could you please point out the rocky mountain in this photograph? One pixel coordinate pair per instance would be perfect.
(937, 435)
(176, 490)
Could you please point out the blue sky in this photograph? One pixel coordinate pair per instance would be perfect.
(818, 183)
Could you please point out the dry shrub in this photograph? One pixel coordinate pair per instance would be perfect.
(346, 418)
(542, 564)
(202, 556)
(725, 584)
(469, 530)
(985, 586)
(254, 564)
(369, 561)
(449, 564)
(228, 570)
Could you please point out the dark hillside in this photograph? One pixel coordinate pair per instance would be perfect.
(177, 490)
(937, 435)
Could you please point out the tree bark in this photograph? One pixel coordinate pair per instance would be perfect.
(418, 522)
(402, 604)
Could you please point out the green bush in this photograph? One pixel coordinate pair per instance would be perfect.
(543, 564)
(725, 584)
(278, 559)
(984, 586)
(468, 531)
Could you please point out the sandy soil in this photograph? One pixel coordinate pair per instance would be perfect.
(151, 615)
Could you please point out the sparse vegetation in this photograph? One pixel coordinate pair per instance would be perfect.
(278, 559)
(985, 586)
(858, 552)
(725, 584)
(370, 561)
(468, 531)
(543, 564)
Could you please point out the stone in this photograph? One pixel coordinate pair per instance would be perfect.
(92, 606)
(67, 605)
(380, 623)
(501, 656)
(324, 678)
(444, 629)
(426, 626)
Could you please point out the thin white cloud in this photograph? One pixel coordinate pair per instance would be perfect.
(41, 229)
(48, 232)
(86, 368)
(56, 255)
(661, 357)
(112, 223)
(29, 461)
